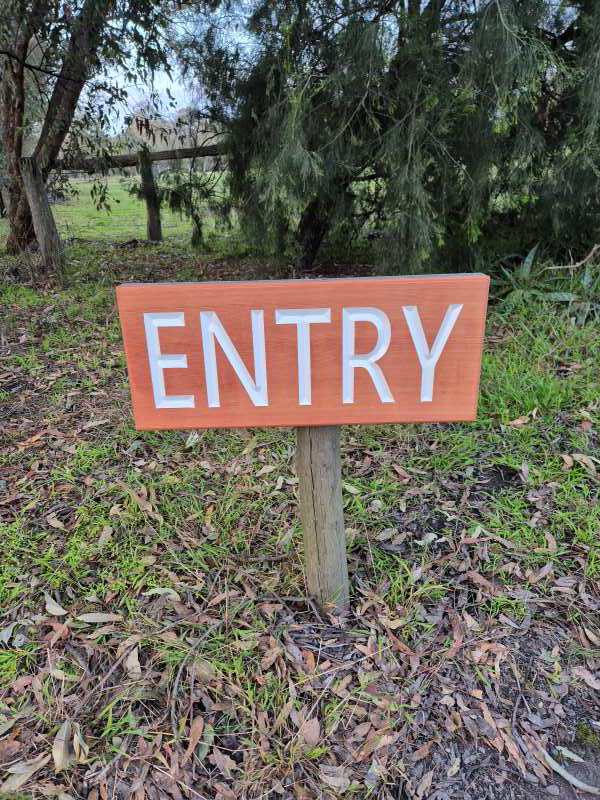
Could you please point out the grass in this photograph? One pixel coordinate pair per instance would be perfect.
(152, 525)
(519, 378)
(124, 219)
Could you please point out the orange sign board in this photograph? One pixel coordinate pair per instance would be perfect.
(305, 352)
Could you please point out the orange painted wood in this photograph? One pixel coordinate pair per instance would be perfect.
(456, 374)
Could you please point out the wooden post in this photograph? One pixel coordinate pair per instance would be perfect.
(318, 466)
(44, 226)
(151, 197)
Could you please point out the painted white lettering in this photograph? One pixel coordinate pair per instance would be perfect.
(212, 329)
(303, 318)
(352, 361)
(429, 358)
(159, 361)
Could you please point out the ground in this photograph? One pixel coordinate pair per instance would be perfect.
(154, 636)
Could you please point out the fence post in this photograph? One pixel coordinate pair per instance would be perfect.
(154, 229)
(46, 233)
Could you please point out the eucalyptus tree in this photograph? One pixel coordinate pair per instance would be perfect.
(434, 123)
(64, 63)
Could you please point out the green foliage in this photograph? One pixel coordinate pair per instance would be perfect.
(526, 282)
(191, 194)
(447, 131)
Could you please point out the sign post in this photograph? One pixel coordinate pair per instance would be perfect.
(313, 355)
(319, 471)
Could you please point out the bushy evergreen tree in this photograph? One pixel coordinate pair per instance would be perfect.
(446, 129)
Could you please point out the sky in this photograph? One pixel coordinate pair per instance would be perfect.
(162, 85)
(137, 94)
(232, 26)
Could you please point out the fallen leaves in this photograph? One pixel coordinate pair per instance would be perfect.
(196, 731)
(62, 748)
(591, 680)
(99, 617)
(132, 665)
(337, 778)
(424, 785)
(576, 782)
(9, 749)
(310, 732)
(160, 591)
(466, 579)
(483, 583)
(142, 499)
(69, 747)
(587, 462)
(519, 421)
(223, 762)
(21, 772)
(53, 608)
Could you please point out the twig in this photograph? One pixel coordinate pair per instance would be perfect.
(99, 776)
(575, 266)
(584, 787)
(24, 63)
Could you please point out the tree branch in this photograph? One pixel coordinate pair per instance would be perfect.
(26, 65)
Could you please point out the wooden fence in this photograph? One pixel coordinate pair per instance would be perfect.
(44, 225)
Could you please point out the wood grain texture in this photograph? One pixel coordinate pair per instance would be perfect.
(456, 374)
(98, 164)
(150, 192)
(319, 472)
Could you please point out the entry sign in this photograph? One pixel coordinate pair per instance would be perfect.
(305, 352)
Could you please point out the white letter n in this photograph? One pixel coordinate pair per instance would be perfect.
(212, 328)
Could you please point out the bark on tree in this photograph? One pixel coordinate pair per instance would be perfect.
(21, 233)
(12, 113)
(153, 226)
(314, 225)
(51, 248)
(4, 201)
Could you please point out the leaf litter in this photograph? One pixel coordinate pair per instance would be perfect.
(468, 666)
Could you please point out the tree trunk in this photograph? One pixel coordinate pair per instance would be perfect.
(19, 31)
(12, 111)
(51, 248)
(82, 48)
(151, 197)
(314, 225)
(21, 234)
